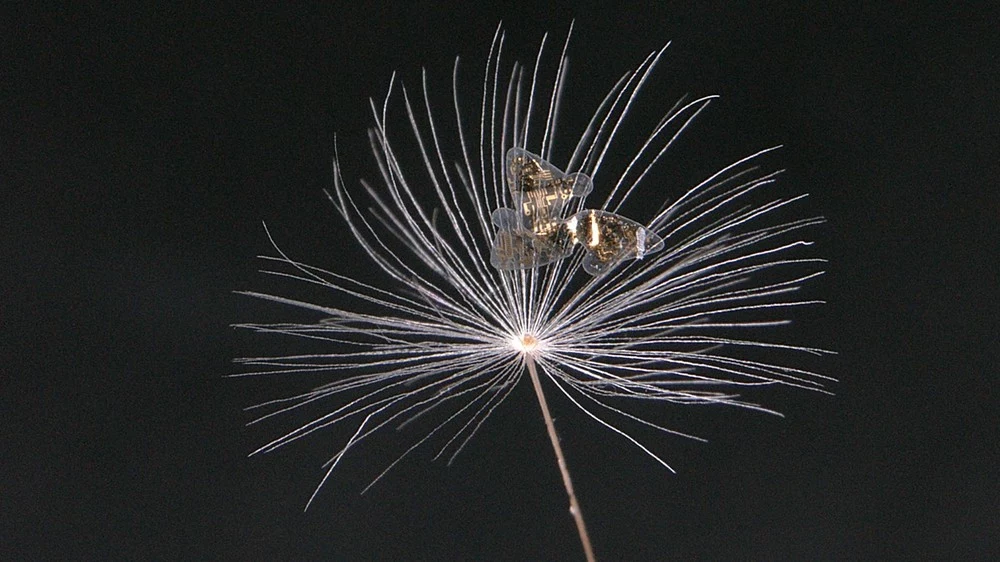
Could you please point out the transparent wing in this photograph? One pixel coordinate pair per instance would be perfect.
(524, 250)
(610, 239)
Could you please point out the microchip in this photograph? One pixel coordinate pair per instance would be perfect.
(535, 232)
(540, 191)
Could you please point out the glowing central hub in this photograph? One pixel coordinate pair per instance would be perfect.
(526, 343)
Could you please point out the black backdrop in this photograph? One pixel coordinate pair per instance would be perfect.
(142, 150)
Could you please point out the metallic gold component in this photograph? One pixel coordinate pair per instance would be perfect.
(540, 191)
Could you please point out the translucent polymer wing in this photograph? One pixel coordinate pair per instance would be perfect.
(610, 239)
(518, 249)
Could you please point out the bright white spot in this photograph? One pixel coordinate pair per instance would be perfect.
(525, 343)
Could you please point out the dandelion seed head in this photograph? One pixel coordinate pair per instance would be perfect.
(672, 308)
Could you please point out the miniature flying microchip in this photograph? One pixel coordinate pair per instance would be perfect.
(535, 233)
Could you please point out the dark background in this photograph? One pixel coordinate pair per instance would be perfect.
(142, 150)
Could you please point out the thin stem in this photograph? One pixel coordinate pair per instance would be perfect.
(574, 506)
